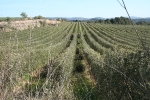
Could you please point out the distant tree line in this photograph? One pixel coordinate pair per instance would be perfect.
(38, 17)
(77, 21)
(120, 20)
(142, 23)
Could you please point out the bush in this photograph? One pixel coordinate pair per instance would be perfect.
(125, 76)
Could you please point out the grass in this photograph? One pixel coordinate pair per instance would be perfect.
(83, 86)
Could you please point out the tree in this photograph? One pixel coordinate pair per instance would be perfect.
(141, 23)
(7, 19)
(107, 21)
(24, 15)
(38, 17)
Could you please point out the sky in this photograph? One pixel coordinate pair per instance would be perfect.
(74, 8)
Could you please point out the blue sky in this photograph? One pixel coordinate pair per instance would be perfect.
(74, 8)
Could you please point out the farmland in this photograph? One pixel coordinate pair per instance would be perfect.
(76, 60)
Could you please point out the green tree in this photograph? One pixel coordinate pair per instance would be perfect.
(38, 17)
(24, 15)
(101, 21)
(141, 23)
(107, 21)
(7, 19)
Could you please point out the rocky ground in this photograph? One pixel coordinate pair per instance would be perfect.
(25, 24)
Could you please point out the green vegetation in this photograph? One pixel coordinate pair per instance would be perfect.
(120, 21)
(7, 19)
(38, 17)
(75, 61)
(2, 19)
(116, 20)
(142, 23)
(24, 15)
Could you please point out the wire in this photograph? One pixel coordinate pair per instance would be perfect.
(142, 42)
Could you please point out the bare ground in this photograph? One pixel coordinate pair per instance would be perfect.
(24, 24)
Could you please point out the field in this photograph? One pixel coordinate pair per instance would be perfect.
(75, 61)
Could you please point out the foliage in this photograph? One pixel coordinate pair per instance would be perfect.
(126, 75)
(121, 74)
(116, 20)
(38, 17)
(8, 19)
(40, 63)
(24, 15)
(143, 23)
(121, 21)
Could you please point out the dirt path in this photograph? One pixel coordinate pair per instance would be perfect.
(83, 82)
(87, 70)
